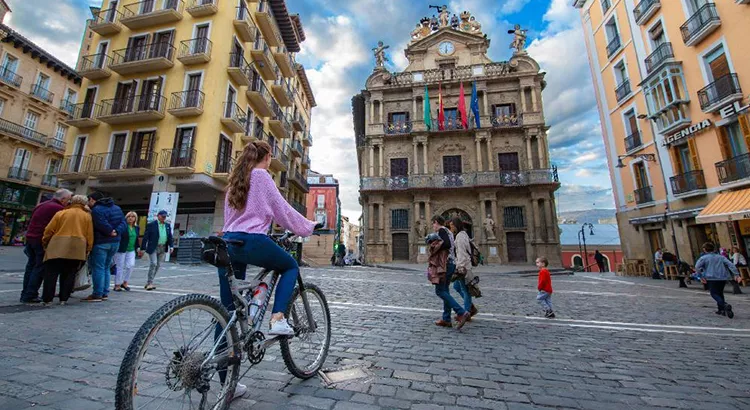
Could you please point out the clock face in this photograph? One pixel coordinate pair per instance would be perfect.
(446, 48)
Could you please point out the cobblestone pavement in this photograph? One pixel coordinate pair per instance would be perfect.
(617, 343)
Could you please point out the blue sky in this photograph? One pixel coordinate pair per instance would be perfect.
(340, 35)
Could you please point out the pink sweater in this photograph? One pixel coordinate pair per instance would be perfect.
(265, 205)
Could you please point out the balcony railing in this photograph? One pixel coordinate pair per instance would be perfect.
(177, 158)
(467, 180)
(696, 26)
(234, 117)
(244, 24)
(397, 128)
(75, 164)
(299, 180)
(734, 169)
(688, 182)
(623, 90)
(50, 180)
(662, 53)
(95, 66)
(186, 103)
(67, 106)
(717, 92)
(643, 195)
(298, 207)
(447, 75)
(144, 52)
(239, 69)
(194, 51)
(84, 115)
(644, 9)
(145, 13)
(56, 144)
(505, 121)
(633, 141)
(613, 46)
(41, 93)
(133, 105)
(10, 77)
(18, 130)
(106, 22)
(124, 160)
(224, 164)
(21, 174)
(200, 8)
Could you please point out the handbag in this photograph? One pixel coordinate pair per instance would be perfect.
(83, 278)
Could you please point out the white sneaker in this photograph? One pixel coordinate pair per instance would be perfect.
(239, 391)
(280, 328)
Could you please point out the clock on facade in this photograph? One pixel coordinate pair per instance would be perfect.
(446, 48)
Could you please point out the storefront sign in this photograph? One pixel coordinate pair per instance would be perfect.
(744, 227)
(687, 132)
(732, 110)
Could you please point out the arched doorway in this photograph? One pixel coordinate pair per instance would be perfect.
(577, 262)
(465, 218)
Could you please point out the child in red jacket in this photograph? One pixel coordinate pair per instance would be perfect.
(545, 287)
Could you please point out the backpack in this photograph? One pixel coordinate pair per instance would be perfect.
(476, 256)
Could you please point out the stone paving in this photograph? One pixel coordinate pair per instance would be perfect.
(617, 343)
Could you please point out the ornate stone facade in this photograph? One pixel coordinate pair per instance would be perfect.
(492, 165)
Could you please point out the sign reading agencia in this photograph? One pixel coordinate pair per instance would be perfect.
(687, 132)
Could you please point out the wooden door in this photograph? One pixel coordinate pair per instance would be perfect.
(161, 46)
(183, 147)
(193, 88)
(117, 152)
(89, 101)
(147, 6)
(201, 43)
(150, 95)
(141, 149)
(223, 157)
(516, 243)
(136, 48)
(507, 161)
(229, 109)
(112, 12)
(400, 247)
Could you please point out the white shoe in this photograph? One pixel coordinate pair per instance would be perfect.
(239, 391)
(280, 328)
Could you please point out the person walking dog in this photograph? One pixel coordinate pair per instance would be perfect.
(156, 242)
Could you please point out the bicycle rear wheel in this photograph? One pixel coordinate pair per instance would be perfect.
(163, 366)
(305, 353)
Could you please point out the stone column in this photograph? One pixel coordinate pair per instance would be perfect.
(537, 220)
(424, 158)
(382, 222)
(550, 221)
(370, 213)
(380, 155)
(495, 216)
(530, 164)
(428, 213)
(523, 100)
(416, 158)
(490, 156)
(533, 99)
(372, 112)
(371, 168)
(479, 154)
(533, 222)
(414, 107)
(381, 111)
(540, 148)
(485, 103)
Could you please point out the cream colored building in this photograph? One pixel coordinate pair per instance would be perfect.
(36, 91)
(671, 79)
(495, 175)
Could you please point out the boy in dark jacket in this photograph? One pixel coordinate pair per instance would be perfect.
(109, 223)
(544, 287)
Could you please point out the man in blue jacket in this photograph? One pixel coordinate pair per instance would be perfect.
(716, 271)
(156, 241)
(109, 223)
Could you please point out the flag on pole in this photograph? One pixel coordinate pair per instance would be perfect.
(475, 104)
(427, 114)
(462, 108)
(441, 113)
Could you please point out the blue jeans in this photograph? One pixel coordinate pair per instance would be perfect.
(460, 287)
(544, 299)
(34, 274)
(442, 290)
(259, 250)
(100, 261)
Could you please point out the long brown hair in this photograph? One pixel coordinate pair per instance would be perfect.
(239, 180)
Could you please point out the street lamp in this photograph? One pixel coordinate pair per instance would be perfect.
(644, 157)
(582, 234)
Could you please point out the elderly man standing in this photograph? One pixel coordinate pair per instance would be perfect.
(109, 223)
(40, 218)
(156, 241)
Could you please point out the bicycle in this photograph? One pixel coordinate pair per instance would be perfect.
(204, 370)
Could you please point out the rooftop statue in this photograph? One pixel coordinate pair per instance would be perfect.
(464, 22)
(380, 57)
(519, 40)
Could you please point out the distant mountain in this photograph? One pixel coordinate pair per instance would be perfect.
(590, 215)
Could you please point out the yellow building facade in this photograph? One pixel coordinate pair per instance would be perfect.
(671, 79)
(172, 92)
(36, 91)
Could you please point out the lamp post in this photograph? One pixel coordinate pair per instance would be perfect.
(582, 234)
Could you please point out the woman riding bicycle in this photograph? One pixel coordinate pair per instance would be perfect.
(252, 203)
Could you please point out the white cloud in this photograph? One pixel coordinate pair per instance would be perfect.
(513, 6)
(589, 156)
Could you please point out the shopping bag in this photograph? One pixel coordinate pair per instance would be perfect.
(83, 279)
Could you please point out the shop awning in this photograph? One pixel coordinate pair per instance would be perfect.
(727, 206)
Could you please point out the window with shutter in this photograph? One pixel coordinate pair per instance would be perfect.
(513, 217)
(399, 219)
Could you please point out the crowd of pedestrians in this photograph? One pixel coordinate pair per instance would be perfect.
(69, 232)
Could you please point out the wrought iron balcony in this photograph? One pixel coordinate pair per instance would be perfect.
(306, 163)
(42, 94)
(506, 121)
(285, 62)
(239, 69)
(202, 8)
(195, 51)
(661, 55)
(643, 195)
(688, 182)
(21, 174)
(298, 122)
(233, 117)
(244, 25)
(282, 93)
(462, 180)
(177, 161)
(187, 103)
(265, 64)
(10, 77)
(75, 166)
(734, 169)
(124, 163)
(633, 141)
(279, 124)
(298, 207)
(260, 98)
(449, 75)
(397, 128)
(279, 158)
(145, 13)
(83, 115)
(56, 144)
(256, 134)
(450, 124)
(700, 24)
(645, 9)
(267, 23)
(95, 66)
(297, 149)
(145, 58)
(17, 130)
(50, 180)
(224, 165)
(106, 22)
(133, 109)
(301, 182)
(722, 91)
(622, 90)
(67, 107)
(307, 140)
(614, 46)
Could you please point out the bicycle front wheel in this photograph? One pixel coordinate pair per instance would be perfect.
(305, 353)
(169, 363)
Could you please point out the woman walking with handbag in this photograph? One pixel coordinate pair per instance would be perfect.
(463, 273)
(67, 241)
(125, 256)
